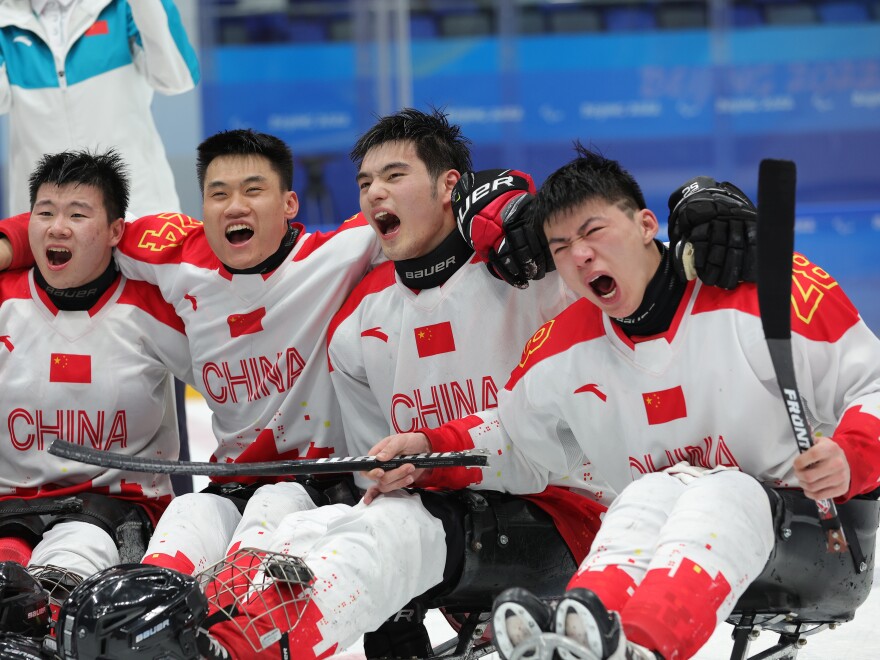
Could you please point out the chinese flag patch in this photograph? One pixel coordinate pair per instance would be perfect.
(665, 405)
(69, 368)
(246, 324)
(434, 339)
(98, 27)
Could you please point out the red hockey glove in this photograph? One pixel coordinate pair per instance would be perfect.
(492, 211)
(719, 223)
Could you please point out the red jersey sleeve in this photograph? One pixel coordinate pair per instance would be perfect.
(16, 230)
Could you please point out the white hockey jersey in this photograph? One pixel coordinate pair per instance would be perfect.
(703, 392)
(258, 342)
(403, 359)
(98, 378)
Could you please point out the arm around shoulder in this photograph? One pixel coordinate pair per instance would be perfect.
(15, 249)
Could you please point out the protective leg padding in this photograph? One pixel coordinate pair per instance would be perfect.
(240, 634)
(264, 511)
(372, 561)
(195, 529)
(613, 585)
(675, 613)
(124, 521)
(79, 547)
(625, 542)
(178, 562)
(702, 543)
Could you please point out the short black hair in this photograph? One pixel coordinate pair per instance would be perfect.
(589, 176)
(105, 171)
(247, 142)
(439, 144)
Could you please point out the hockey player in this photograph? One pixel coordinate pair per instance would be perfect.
(85, 357)
(403, 349)
(663, 400)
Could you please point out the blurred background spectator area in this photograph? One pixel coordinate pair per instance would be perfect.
(294, 21)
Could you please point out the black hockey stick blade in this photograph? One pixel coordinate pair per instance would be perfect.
(776, 218)
(84, 454)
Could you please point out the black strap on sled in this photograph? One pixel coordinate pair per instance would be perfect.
(126, 522)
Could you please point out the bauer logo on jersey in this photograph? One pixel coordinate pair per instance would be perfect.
(665, 405)
(69, 368)
(434, 339)
(536, 341)
(246, 324)
(170, 234)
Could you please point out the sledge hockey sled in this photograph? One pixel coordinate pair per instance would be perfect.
(803, 590)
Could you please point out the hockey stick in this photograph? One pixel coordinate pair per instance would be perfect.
(83, 454)
(776, 201)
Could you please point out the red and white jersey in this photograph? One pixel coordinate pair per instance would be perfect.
(258, 342)
(99, 378)
(703, 392)
(403, 360)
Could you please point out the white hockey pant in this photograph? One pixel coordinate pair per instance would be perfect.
(368, 560)
(80, 547)
(721, 522)
(201, 528)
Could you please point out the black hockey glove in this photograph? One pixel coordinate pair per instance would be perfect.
(718, 222)
(492, 211)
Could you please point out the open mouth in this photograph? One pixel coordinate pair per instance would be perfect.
(604, 286)
(58, 256)
(239, 234)
(386, 222)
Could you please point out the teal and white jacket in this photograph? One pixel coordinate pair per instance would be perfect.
(95, 93)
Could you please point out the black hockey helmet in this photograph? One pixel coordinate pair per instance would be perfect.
(132, 611)
(24, 603)
(14, 646)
